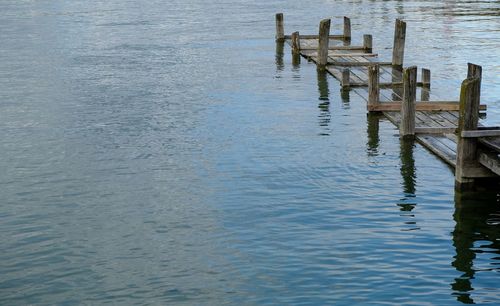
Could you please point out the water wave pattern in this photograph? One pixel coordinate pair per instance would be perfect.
(172, 153)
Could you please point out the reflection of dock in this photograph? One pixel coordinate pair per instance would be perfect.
(449, 129)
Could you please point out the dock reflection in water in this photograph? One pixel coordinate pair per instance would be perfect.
(324, 102)
(476, 239)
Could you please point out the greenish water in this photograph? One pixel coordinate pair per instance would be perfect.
(170, 153)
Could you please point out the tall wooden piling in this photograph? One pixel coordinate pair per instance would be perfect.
(368, 43)
(407, 125)
(347, 28)
(346, 77)
(426, 85)
(373, 86)
(398, 50)
(474, 70)
(468, 120)
(324, 39)
(280, 28)
(295, 42)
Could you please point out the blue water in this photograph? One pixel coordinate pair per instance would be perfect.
(170, 153)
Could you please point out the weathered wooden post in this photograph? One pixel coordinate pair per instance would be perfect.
(346, 76)
(407, 125)
(475, 71)
(280, 28)
(368, 43)
(347, 28)
(295, 42)
(398, 49)
(295, 49)
(373, 87)
(468, 120)
(426, 85)
(324, 39)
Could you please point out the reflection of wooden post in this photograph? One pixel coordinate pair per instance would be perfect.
(407, 125)
(426, 84)
(368, 43)
(323, 89)
(346, 76)
(372, 131)
(279, 56)
(468, 120)
(324, 33)
(295, 42)
(373, 86)
(408, 166)
(347, 28)
(398, 50)
(280, 27)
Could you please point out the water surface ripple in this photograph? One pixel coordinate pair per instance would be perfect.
(171, 153)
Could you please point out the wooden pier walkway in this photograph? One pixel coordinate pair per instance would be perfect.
(449, 129)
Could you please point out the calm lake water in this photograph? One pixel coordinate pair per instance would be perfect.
(168, 152)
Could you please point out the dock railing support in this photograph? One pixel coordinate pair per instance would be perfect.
(398, 49)
(470, 93)
(324, 39)
(347, 28)
(368, 43)
(407, 125)
(373, 86)
(426, 85)
(280, 28)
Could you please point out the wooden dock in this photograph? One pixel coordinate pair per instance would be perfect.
(449, 129)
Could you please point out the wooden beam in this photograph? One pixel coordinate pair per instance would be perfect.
(358, 64)
(435, 130)
(312, 36)
(347, 48)
(324, 31)
(407, 125)
(280, 28)
(480, 133)
(490, 161)
(420, 106)
(383, 84)
(352, 55)
(398, 49)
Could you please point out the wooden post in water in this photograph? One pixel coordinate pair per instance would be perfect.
(368, 43)
(475, 71)
(324, 39)
(468, 120)
(398, 49)
(470, 99)
(346, 76)
(373, 86)
(407, 125)
(280, 28)
(295, 42)
(295, 49)
(426, 85)
(347, 28)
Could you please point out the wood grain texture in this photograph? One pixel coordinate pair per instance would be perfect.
(407, 127)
